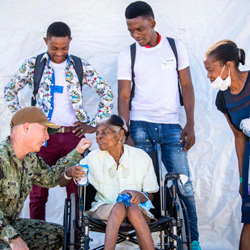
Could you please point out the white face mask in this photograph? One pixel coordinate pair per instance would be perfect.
(221, 84)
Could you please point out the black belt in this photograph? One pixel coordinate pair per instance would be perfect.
(64, 130)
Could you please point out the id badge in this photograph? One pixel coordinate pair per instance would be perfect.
(169, 63)
(58, 89)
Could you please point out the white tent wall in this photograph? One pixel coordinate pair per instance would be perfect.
(99, 33)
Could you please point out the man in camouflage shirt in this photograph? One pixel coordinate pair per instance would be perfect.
(20, 167)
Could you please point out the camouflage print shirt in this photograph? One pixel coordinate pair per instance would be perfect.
(16, 179)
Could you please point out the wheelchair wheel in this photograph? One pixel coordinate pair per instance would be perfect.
(181, 231)
(72, 221)
(186, 226)
(86, 243)
(66, 224)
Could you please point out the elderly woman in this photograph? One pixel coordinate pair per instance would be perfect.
(116, 168)
(221, 62)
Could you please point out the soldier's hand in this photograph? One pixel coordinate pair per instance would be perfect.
(83, 145)
(82, 128)
(18, 244)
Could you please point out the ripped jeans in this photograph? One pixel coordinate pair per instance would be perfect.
(145, 135)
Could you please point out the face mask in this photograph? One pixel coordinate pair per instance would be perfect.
(221, 84)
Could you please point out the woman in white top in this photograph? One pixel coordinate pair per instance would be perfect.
(116, 168)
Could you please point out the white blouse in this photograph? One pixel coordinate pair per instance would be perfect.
(135, 172)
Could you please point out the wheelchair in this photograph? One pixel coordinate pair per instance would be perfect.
(170, 211)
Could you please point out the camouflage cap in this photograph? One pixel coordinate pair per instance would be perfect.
(33, 115)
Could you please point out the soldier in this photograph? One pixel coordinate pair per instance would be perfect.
(20, 168)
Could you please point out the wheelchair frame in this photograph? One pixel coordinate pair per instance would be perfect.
(171, 213)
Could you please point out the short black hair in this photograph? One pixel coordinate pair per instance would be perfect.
(58, 29)
(139, 8)
(226, 50)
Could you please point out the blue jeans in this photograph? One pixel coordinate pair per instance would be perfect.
(145, 135)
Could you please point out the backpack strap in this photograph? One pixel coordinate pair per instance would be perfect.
(173, 47)
(132, 53)
(38, 72)
(78, 68)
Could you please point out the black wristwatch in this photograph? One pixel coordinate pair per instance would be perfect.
(15, 237)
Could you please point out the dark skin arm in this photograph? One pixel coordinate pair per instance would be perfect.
(123, 103)
(82, 128)
(240, 141)
(74, 172)
(188, 134)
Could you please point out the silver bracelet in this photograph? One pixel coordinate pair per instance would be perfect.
(66, 177)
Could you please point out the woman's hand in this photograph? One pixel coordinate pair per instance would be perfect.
(76, 172)
(137, 197)
(73, 172)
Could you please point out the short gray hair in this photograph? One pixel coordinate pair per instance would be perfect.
(116, 123)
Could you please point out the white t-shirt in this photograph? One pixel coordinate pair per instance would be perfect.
(63, 113)
(156, 81)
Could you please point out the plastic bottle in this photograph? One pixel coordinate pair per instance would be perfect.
(124, 198)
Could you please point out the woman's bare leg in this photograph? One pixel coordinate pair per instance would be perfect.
(143, 234)
(115, 219)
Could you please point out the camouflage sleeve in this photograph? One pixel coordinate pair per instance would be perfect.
(6, 230)
(24, 76)
(94, 81)
(46, 176)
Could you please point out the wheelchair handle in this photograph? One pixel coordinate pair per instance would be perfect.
(174, 177)
(171, 175)
(85, 153)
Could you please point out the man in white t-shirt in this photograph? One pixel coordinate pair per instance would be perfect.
(60, 97)
(153, 117)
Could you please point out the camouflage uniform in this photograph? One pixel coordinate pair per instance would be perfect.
(38, 234)
(16, 179)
